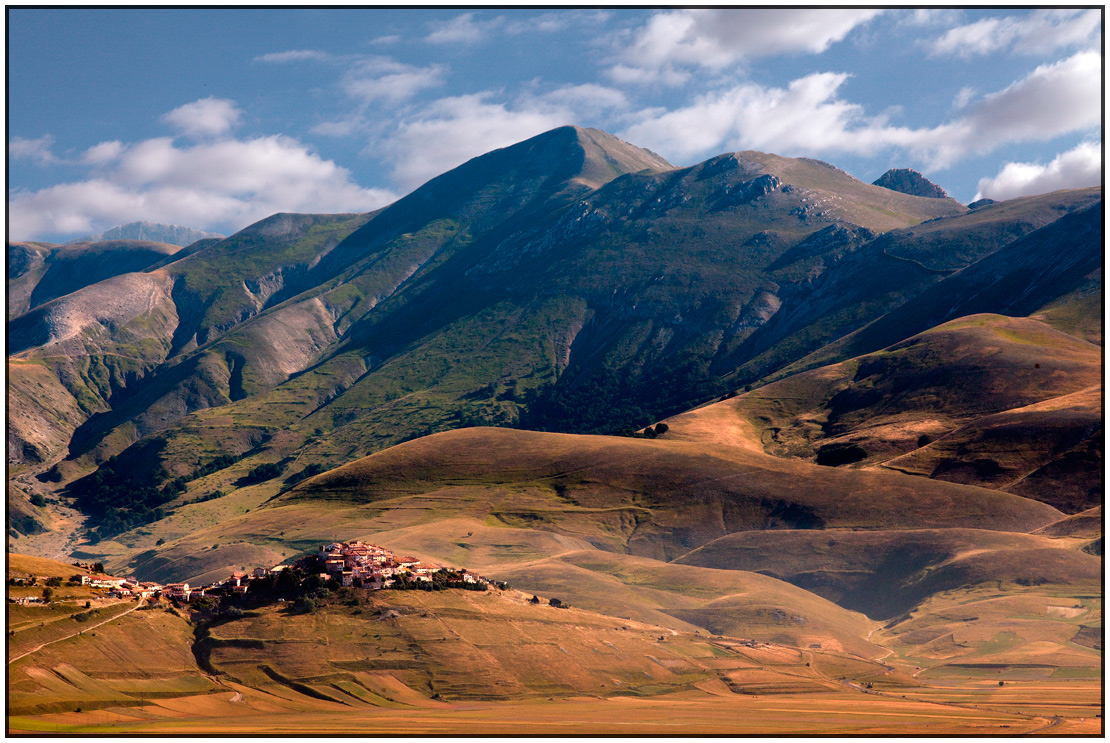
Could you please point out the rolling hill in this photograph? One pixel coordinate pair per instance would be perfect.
(1001, 402)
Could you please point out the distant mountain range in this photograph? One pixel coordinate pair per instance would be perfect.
(153, 231)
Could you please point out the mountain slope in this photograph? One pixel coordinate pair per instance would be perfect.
(571, 282)
(40, 272)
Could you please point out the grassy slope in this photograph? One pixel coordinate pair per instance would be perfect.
(886, 573)
(962, 385)
(652, 498)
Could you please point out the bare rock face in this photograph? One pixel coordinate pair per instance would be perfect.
(907, 181)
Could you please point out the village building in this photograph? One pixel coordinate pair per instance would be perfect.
(177, 591)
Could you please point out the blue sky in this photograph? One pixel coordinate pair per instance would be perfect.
(217, 118)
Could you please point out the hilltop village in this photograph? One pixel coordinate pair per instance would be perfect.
(350, 564)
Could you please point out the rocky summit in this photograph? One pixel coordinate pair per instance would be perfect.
(909, 181)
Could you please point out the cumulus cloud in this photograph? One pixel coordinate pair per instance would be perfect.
(375, 78)
(206, 117)
(212, 185)
(468, 29)
(717, 38)
(808, 116)
(463, 29)
(1037, 33)
(40, 150)
(450, 131)
(1076, 168)
(102, 153)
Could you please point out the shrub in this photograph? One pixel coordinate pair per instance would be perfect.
(38, 500)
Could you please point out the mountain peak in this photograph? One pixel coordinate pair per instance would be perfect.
(909, 181)
(171, 234)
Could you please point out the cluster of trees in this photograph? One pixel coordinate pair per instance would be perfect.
(442, 579)
(310, 471)
(612, 400)
(117, 499)
(263, 472)
(558, 604)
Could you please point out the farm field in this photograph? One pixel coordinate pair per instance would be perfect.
(463, 662)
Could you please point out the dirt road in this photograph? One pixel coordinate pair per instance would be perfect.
(84, 629)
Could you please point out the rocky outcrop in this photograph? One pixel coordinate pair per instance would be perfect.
(907, 181)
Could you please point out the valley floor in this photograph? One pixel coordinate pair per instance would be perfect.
(239, 710)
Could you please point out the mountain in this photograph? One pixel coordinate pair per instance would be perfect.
(40, 272)
(572, 282)
(907, 180)
(153, 231)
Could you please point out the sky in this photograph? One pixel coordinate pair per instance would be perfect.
(214, 119)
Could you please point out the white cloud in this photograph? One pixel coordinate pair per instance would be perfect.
(450, 131)
(581, 101)
(1039, 32)
(295, 55)
(215, 185)
(1076, 168)
(717, 38)
(463, 29)
(102, 153)
(1052, 100)
(963, 97)
(39, 149)
(206, 117)
(630, 75)
(809, 117)
(376, 78)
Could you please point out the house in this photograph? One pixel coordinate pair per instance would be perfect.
(260, 572)
(105, 581)
(177, 591)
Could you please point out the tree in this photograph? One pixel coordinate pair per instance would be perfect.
(661, 428)
(47, 593)
(98, 567)
(534, 600)
(556, 603)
